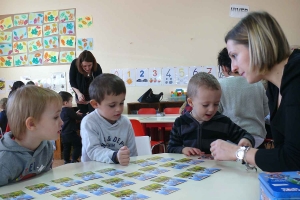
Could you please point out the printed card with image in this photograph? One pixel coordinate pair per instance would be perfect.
(16, 195)
(129, 195)
(180, 166)
(118, 182)
(69, 195)
(206, 157)
(145, 177)
(155, 158)
(169, 164)
(67, 182)
(133, 174)
(166, 159)
(147, 163)
(169, 181)
(97, 189)
(189, 161)
(138, 161)
(196, 169)
(161, 189)
(192, 176)
(88, 175)
(210, 170)
(111, 171)
(154, 170)
(42, 188)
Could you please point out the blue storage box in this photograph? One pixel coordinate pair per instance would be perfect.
(285, 185)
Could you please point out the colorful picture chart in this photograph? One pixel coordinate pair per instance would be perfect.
(21, 20)
(67, 41)
(168, 76)
(20, 33)
(182, 75)
(118, 72)
(154, 76)
(35, 31)
(84, 22)
(51, 16)
(5, 49)
(36, 18)
(6, 23)
(6, 61)
(20, 60)
(142, 77)
(67, 15)
(35, 45)
(129, 77)
(67, 28)
(5, 37)
(66, 56)
(84, 44)
(50, 29)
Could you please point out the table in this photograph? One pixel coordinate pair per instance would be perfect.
(232, 182)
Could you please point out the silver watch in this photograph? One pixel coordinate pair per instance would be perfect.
(240, 154)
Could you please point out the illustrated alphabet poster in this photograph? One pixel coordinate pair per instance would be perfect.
(26, 38)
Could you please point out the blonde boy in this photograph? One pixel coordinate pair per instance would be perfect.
(34, 117)
(107, 136)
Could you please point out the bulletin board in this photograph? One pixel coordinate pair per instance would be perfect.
(38, 38)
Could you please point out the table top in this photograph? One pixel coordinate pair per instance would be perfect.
(168, 118)
(231, 182)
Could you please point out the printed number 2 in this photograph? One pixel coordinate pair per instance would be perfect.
(142, 73)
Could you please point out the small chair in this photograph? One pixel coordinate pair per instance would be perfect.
(143, 145)
(174, 110)
(139, 131)
(146, 111)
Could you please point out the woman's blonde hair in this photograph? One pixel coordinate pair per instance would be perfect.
(28, 101)
(262, 34)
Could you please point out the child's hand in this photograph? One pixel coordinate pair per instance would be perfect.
(244, 142)
(123, 155)
(190, 151)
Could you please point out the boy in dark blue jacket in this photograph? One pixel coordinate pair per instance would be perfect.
(194, 131)
(69, 130)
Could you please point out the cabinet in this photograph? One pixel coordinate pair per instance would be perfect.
(133, 107)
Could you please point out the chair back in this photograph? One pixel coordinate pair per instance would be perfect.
(137, 128)
(172, 110)
(143, 145)
(145, 111)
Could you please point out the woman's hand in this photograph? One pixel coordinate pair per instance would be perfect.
(81, 98)
(189, 151)
(222, 150)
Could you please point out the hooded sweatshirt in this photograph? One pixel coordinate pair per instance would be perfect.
(19, 163)
(285, 121)
(101, 140)
(188, 132)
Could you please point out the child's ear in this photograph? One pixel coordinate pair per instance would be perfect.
(30, 123)
(94, 103)
(189, 101)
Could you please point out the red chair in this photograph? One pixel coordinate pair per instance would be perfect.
(146, 111)
(172, 110)
(139, 131)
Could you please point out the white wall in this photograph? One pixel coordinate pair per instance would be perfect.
(153, 33)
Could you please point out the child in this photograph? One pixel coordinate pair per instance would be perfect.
(193, 132)
(69, 129)
(107, 136)
(3, 117)
(16, 85)
(34, 117)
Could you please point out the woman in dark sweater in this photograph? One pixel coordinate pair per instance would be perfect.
(82, 72)
(259, 50)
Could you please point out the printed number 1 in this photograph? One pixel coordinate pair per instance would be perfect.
(128, 73)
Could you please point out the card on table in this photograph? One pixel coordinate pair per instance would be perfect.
(111, 171)
(169, 181)
(133, 174)
(42, 188)
(97, 189)
(118, 182)
(189, 161)
(67, 181)
(129, 195)
(154, 170)
(175, 165)
(16, 195)
(138, 161)
(147, 163)
(69, 195)
(206, 157)
(155, 158)
(88, 175)
(166, 159)
(161, 189)
(192, 176)
(204, 170)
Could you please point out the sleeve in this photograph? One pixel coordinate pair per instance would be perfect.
(131, 141)
(5, 175)
(236, 133)
(266, 104)
(176, 142)
(92, 138)
(50, 162)
(72, 74)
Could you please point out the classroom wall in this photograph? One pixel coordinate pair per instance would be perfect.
(152, 33)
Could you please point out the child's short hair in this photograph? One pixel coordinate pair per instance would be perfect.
(202, 79)
(66, 96)
(3, 103)
(28, 101)
(106, 84)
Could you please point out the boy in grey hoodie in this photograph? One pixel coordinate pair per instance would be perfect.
(107, 136)
(34, 118)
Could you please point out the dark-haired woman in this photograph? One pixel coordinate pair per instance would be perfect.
(82, 72)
